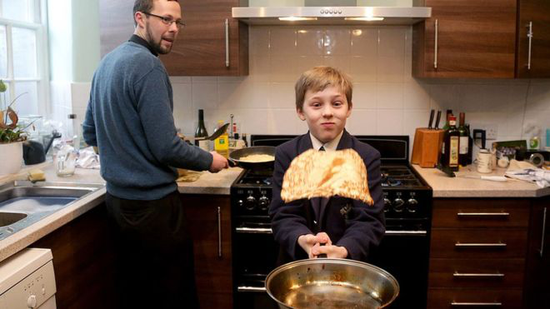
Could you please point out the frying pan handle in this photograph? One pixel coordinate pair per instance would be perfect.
(231, 162)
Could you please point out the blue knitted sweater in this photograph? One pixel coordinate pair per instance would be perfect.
(129, 117)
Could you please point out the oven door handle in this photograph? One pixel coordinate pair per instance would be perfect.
(406, 233)
(253, 230)
(251, 289)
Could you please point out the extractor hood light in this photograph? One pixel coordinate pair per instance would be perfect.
(296, 18)
(366, 18)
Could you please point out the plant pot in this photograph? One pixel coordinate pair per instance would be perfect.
(11, 158)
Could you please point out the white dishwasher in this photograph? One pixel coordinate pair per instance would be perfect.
(27, 280)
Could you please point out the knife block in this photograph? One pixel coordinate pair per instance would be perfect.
(427, 146)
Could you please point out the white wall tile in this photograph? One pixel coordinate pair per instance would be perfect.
(364, 42)
(258, 41)
(364, 96)
(363, 69)
(389, 96)
(205, 95)
(416, 96)
(362, 122)
(282, 96)
(309, 41)
(392, 41)
(283, 41)
(389, 122)
(340, 62)
(185, 114)
(337, 42)
(390, 69)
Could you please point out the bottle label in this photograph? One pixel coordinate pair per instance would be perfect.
(453, 151)
(464, 145)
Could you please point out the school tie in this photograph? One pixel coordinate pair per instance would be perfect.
(318, 201)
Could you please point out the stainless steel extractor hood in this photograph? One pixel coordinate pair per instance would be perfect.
(332, 15)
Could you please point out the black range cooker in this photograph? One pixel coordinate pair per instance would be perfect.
(404, 251)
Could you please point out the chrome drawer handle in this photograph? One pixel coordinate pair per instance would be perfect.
(406, 233)
(251, 289)
(436, 41)
(476, 304)
(253, 230)
(541, 251)
(220, 253)
(483, 214)
(226, 23)
(478, 275)
(530, 40)
(480, 245)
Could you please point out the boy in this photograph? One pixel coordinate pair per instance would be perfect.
(338, 227)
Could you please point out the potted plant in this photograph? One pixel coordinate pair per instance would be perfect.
(11, 136)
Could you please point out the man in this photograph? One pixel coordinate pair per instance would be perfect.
(129, 118)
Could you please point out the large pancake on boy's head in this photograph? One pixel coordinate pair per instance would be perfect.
(325, 174)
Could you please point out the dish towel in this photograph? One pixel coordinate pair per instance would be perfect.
(527, 172)
(87, 158)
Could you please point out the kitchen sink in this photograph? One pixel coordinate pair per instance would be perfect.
(23, 203)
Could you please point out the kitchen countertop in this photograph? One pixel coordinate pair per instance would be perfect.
(208, 183)
(444, 186)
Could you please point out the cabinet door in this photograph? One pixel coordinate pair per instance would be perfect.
(466, 39)
(209, 224)
(207, 45)
(116, 23)
(537, 277)
(534, 52)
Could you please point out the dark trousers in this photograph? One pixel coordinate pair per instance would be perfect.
(154, 267)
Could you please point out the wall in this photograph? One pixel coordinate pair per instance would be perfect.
(387, 100)
(73, 30)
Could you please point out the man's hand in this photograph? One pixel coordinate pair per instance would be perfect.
(218, 162)
(308, 241)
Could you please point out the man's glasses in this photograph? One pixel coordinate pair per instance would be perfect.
(167, 20)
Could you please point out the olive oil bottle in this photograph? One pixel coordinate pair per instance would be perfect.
(451, 146)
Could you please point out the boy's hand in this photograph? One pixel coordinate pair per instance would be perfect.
(330, 250)
(309, 240)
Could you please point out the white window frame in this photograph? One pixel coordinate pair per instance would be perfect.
(42, 69)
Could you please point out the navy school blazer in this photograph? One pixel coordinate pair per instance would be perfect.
(349, 223)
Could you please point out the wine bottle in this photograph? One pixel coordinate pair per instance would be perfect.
(451, 142)
(464, 141)
(449, 113)
(201, 132)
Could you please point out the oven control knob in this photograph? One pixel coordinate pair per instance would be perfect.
(413, 205)
(387, 204)
(250, 202)
(398, 204)
(240, 203)
(264, 202)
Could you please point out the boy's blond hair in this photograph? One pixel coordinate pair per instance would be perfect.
(319, 78)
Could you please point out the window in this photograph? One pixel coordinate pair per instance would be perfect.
(23, 56)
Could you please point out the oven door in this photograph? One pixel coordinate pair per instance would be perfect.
(255, 254)
(405, 254)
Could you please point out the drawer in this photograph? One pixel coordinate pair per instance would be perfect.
(476, 273)
(474, 298)
(481, 213)
(478, 243)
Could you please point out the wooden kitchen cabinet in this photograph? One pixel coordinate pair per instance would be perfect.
(211, 44)
(537, 273)
(534, 15)
(482, 39)
(209, 224)
(478, 252)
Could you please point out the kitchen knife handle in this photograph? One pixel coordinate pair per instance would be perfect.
(437, 119)
(431, 119)
(227, 43)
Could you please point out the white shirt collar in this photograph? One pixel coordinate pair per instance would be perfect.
(330, 146)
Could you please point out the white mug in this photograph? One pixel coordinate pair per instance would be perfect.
(484, 161)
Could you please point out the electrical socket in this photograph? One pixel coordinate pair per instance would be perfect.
(491, 131)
